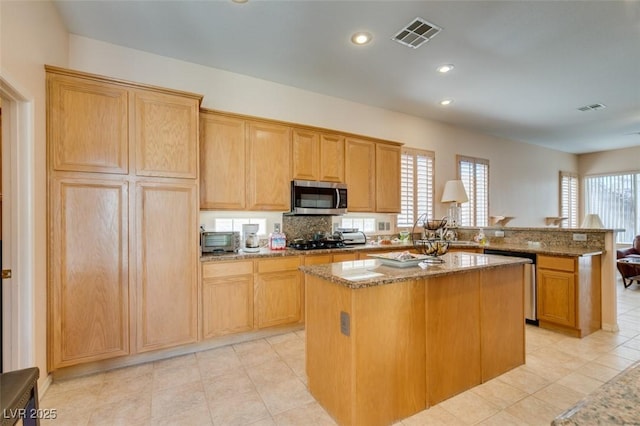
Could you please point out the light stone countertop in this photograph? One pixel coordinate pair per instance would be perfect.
(371, 272)
(614, 403)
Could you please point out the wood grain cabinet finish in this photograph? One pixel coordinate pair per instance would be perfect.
(167, 264)
(88, 125)
(278, 292)
(227, 298)
(89, 286)
(222, 162)
(332, 158)
(387, 178)
(166, 135)
(568, 293)
(305, 151)
(360, 174)
(268, 167)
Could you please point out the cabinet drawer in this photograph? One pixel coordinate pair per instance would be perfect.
(225, 269)
(287, 263)
(558, 263)
(317, 259)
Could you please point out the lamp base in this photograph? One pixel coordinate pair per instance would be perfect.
(454, 214)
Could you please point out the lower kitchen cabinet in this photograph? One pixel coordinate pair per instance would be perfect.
(167, 264)
(227, 298)
(278, 292)
(568, 294)
(88, 270)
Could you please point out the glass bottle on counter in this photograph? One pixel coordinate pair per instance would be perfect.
(277, 239)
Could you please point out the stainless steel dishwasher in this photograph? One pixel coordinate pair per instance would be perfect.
(530, 290)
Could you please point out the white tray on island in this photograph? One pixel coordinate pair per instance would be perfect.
(400, 259)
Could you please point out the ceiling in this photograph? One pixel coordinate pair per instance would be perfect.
(522, 68)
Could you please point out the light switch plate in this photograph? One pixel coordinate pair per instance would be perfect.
(579, 237)
(380, 226)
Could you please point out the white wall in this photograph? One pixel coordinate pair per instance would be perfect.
(524, 178)
(32, 35)
(619, 160)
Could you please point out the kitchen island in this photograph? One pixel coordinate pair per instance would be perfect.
(383, 343)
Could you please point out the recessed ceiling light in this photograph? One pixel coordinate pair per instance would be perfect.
(446, 102)
(445, 68)
(361, 38)
(240, 1)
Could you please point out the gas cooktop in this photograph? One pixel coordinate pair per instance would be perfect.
(316, 244)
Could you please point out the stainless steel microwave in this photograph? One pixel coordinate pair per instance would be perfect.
(318, 198)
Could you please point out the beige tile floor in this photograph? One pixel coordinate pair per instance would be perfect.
(263, 383)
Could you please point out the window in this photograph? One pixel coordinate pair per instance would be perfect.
(416, 188)
(364, 224)
(474, 173)
(235, 224)
(616, 199)
(569, 199)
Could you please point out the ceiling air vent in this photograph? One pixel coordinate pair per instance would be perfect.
(417, 33)
(592, 107)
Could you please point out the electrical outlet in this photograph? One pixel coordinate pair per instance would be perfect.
(499, 234)
(579, 237)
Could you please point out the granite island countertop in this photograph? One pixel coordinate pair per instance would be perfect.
(471, 245)
(614, 403)
(372, 272)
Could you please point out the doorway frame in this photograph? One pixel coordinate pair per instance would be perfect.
(18, 233)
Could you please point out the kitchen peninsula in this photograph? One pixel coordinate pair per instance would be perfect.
(384, 343)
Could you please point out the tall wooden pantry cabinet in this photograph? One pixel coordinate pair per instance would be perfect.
(123, 217)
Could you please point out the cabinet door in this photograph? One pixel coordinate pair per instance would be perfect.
(360, 175)
(305, 154)
(387, 178)
(268, 167)
(167, 262)
(166, 135)
(278, 298)
(556, 297)
(227, 305)
(222, 162)
(89, 271)
(87, 125)
(331, 158)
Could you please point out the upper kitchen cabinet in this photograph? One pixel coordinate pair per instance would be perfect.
(222, 162)
(305, 153)
(317, 156)
(360, 167)
(88, 125)
(387, 178)
(268, 149)
(166, 134)
(331, 158)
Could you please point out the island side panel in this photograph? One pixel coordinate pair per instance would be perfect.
(502, 320)
(329, 352)
(389, 340)
(590, 299)
(453, 335)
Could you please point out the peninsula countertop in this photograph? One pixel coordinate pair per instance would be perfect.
(371, 272)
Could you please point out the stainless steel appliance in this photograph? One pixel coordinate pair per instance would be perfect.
(326, 243)
(353, 238)
(318, 198)
(530, 287)
(212, 242)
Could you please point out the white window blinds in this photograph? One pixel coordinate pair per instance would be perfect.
(416, 191)
(616, 199)
(474, 173)
(569, 199)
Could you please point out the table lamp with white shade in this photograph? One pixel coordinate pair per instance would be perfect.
(592, 221)
(455, 194)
